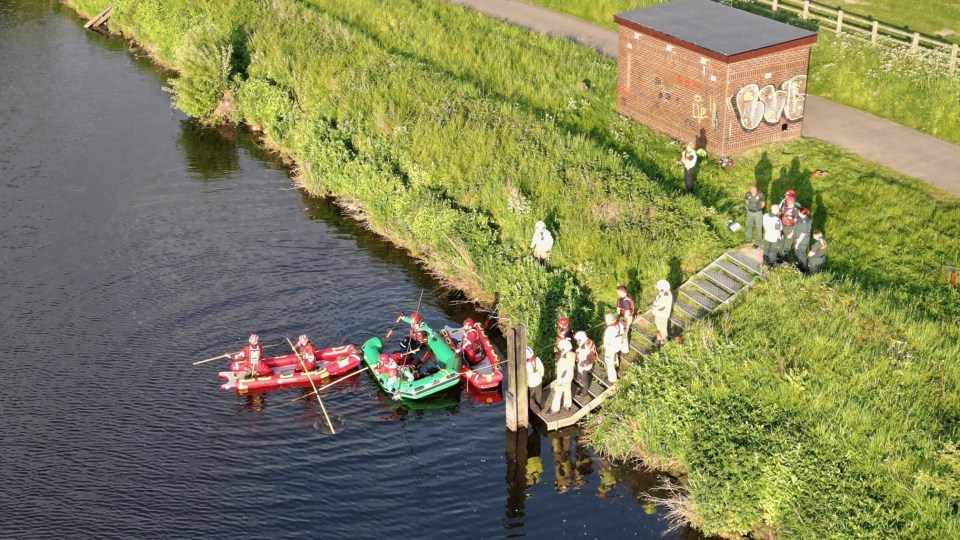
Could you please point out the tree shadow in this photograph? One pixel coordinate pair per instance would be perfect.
(634, 284)
(675, 276)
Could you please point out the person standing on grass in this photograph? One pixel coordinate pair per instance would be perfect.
(534, 381)
(755, 202)
(586, 356)
(689, 161)
(662, 308)
(789, 214)
(818, 252)
(771, 235)
(801, 238)
(565, 367)
(542, 243)
(612, 345)
(626, 308)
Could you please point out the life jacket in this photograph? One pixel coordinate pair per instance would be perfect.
(471, 339)
(389, 369)
(254, 352)
(586, 354)
(416, 334)
(309, 352)
(626, 304)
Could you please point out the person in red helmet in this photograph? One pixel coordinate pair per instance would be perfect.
(308, 353)
(563, 333)
(470, 346)
(417, 337)
(789, 215)
(252, 354)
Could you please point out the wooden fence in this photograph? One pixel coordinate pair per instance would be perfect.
(841, 21)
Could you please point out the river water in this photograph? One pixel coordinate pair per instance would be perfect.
(133, 242)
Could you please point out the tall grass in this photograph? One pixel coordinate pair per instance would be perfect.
(911, 88)
(451, 134)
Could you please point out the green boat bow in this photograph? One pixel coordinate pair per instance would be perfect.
(447, 360)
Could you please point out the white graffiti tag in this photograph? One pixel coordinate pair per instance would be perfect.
(755, 104)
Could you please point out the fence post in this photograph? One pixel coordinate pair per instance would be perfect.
(806, 9)
(953, 58)
(517, 391)
(776, 4)
(916, 41)
(839, 21)
(874, 32)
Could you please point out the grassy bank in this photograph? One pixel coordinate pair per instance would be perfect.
(452, 133)
(884, 81)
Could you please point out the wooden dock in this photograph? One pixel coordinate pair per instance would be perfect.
(717, 285)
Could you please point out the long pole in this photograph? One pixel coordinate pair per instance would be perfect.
(315, 391)
(228, 355)
(338, 381)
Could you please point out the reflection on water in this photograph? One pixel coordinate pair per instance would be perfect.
(211, 153)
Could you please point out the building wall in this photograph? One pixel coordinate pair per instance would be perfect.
(695, 98)
(766, 97)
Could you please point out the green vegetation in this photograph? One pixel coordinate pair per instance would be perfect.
(820, 407)
(884, 80)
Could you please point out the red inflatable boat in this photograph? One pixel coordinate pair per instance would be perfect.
(482, 375)
(330, 363)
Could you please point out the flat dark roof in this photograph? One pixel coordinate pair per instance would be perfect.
(715, 27)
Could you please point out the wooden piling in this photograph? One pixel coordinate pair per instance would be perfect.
(516, 400)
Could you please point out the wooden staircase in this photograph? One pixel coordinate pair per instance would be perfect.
(710, 289)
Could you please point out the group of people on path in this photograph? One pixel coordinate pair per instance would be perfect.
(785, 228)
(575, 363)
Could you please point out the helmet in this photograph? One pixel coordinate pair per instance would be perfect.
(609, 318)
(468, 323)
(415, 317)
(384, 358)
(254, 339)
(565, 345)
(790, 193)
(805, 211)
(540, 225)
(303, 340)
(529, 353)
(663, 285)
(774, 208)
(580, 336)
(563, 322)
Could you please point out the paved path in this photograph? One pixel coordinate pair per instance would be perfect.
(882, 141)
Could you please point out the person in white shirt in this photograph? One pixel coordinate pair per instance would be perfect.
(542, 243)
(772, 228)
(565, 367)
(662, 306)
(689, 160)
(534, 381)
(612, 344)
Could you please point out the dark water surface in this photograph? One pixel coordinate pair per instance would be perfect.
(133, 242)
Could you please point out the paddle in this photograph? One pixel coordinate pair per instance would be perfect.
(315, 391)
(327, 385)
(228, 355)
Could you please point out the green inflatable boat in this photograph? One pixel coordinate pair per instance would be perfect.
(402, 381)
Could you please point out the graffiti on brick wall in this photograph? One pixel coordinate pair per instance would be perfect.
(755, 105)
(702, 111)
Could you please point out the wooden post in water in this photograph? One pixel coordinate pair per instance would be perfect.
(517, 401)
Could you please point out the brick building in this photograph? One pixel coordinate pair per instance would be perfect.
(705, 72)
